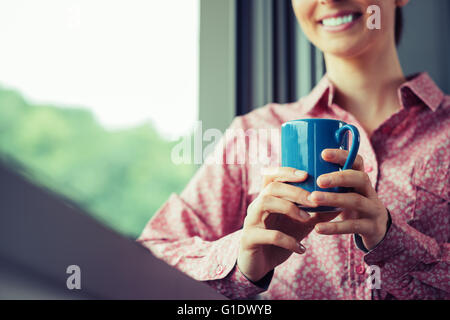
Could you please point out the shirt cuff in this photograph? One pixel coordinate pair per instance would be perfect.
(402, 239)
(224, 274)
(264, 282)
(398, 254)
(359, 242)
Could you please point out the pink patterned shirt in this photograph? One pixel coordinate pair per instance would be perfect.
(407, 159)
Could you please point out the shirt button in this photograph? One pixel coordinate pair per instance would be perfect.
(360, 269)
(369, 169)
(219, 269)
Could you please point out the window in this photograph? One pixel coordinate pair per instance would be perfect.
(93, 97)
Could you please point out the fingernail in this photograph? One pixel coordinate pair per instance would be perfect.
(268, 171)
(321, 228)
(311, 203)
(324, 181)
(300, 173)
(317, 197)
(301, 248)
(305, 215)
(330, 154)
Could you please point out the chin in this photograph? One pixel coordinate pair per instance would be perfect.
(344, 47)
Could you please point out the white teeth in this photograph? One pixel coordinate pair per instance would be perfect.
(333, 22)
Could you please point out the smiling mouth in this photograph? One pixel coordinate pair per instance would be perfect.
(340, 20)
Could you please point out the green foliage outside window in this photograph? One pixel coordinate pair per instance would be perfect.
(121, 177)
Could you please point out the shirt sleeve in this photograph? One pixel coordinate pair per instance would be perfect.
(412, 264)
(199, 231)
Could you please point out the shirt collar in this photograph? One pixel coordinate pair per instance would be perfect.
(418, 88)
(321, 96)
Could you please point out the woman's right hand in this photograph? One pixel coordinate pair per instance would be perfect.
(275, 225)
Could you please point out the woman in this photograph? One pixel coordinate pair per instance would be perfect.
(240, 231)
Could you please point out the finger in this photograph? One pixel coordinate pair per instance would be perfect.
(317, 217)
(340, 156)
(352, 201)
(358, 180)
(355, 226)
(283, 174)
(258, 236)
(289, 192)
(270, 204)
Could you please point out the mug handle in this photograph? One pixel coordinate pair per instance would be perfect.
(355, 144)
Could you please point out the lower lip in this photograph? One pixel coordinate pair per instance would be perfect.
(341, 27)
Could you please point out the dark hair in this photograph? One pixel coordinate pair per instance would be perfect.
(398, 25)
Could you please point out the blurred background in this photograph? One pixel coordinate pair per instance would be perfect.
(94, 94)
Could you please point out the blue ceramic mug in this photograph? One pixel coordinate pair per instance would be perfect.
(302, 143)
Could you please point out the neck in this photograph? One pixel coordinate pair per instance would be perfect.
(366, 85)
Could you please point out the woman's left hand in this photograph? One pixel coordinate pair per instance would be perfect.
(363, 214)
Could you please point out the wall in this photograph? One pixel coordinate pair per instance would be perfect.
(425, 44)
